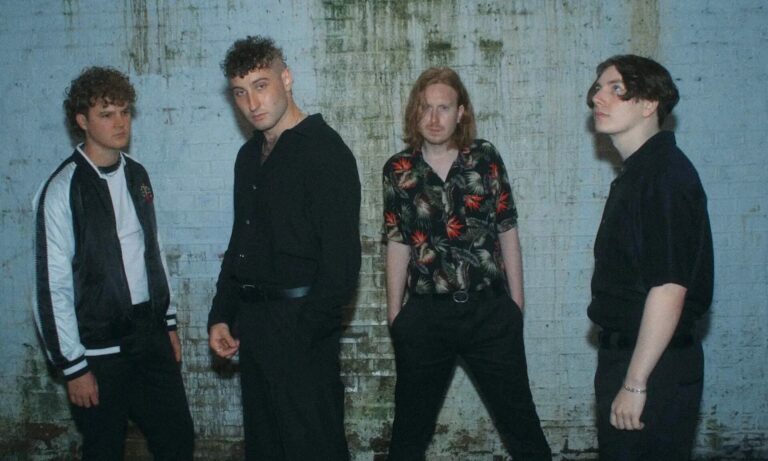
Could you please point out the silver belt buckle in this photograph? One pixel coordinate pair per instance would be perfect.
(460, 296)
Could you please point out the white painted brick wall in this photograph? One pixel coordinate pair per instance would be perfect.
(527, 64)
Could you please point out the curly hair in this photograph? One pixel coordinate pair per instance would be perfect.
(466, 129)
(94, 84)
(252, 52)
(644, 79)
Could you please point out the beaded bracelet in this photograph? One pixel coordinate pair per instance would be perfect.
(634, 390)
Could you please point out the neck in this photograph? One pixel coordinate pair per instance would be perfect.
(292, 117)
(439, 151)
(101, 157)
(629, 142)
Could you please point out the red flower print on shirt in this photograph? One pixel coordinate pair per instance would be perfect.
(390, 219)
(402, 165)
(418, 238)
(493, 170)
(453, 227)
(503, 202)
(473, 201)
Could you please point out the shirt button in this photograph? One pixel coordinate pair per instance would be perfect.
(241, 256)
(253, 186)
(248, 222)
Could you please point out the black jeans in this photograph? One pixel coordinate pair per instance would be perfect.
(143, 382)
(293, 397)
(428, 337)
(671, 408)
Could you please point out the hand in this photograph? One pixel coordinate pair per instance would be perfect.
(221, 341)
(175, 344)
(83, 391)
(626, 410)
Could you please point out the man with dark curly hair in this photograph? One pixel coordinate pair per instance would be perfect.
(291, 264)
(103, 307)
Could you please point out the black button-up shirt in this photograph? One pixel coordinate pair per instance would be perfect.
(296, 219)
(655, 230)
(451, 226)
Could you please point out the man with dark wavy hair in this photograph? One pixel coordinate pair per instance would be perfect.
(103, 306)
(291, 264)
(450, 225)
(653, 271)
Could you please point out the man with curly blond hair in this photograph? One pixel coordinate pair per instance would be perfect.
(103, 307)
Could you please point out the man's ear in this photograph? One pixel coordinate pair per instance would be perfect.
(287, 77)
(460, 114)
(82, 121)
(649, 107)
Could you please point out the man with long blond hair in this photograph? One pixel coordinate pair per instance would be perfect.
(450, 225)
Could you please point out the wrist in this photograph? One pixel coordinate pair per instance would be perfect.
(634, 390)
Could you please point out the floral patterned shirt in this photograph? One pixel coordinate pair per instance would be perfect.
(451, 226)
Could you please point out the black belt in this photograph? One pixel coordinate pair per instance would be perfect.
(619, 340)
(463, 296)
(258, 293)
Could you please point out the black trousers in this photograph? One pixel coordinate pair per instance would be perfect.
(671, 409)
(428, 337)
(142, 383)
(293, 397)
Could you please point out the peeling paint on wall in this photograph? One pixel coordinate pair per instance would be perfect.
(136, 22)
(645, 30)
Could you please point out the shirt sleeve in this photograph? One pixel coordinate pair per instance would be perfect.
(671, 221)
(334, 211)
(506, 211)
(392, 226)
(55, 314)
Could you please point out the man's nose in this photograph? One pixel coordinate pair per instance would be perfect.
(253, 102)
(598, 98)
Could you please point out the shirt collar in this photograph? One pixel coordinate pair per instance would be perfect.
(651, 149)
(306, 127)
(417, 151)
(94, 167)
